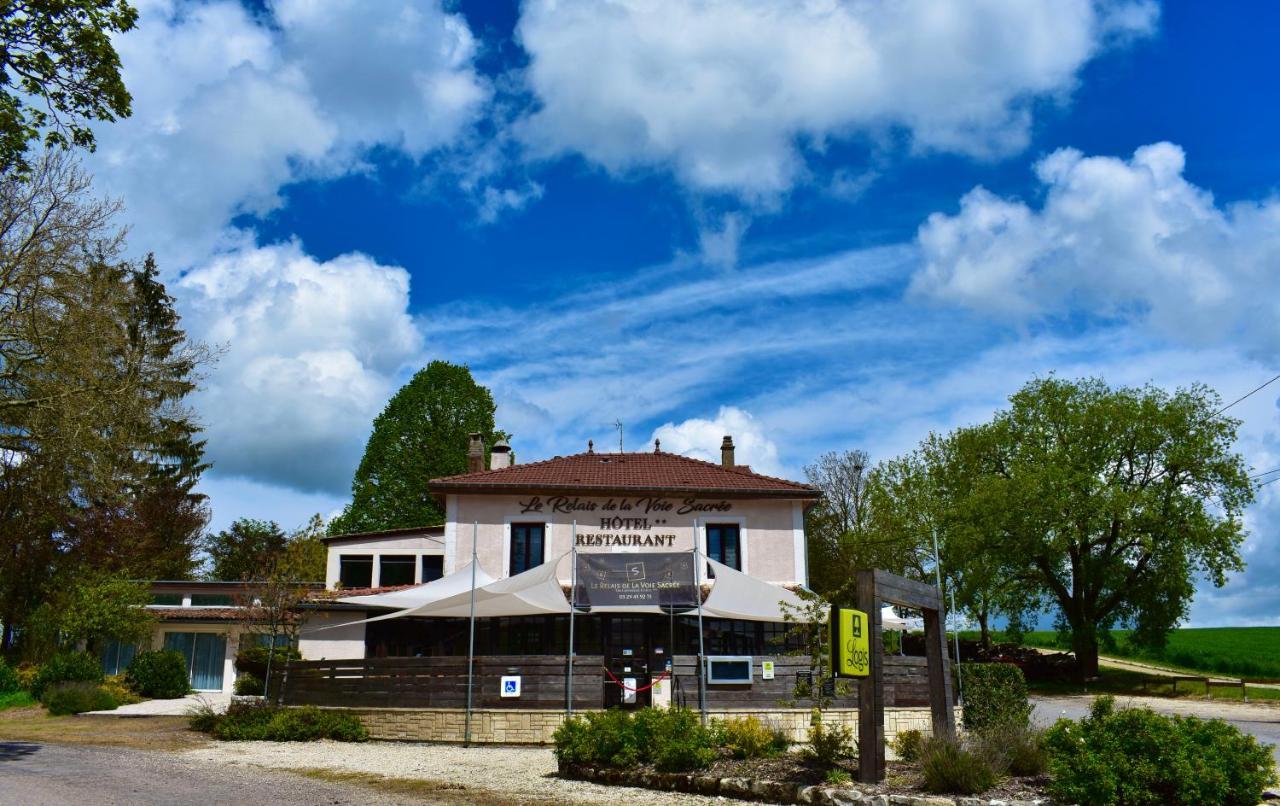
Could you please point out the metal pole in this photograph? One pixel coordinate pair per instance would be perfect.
(697, 597)
(471, 646)
(937, 572)
(573, 597)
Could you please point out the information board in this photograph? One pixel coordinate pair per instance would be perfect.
(850, 643)
(659, 578)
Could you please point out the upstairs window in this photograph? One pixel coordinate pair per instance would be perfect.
(432, 567)
(356, 570)
(526, 546)
(167, 599)
(211, 600)
(723, 544)
(395, 569)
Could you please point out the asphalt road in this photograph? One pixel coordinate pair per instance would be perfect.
(1262, 721)
(56, 775)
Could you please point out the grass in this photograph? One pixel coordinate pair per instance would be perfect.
(1249, 653)
(16, 699)
(1125, 683)
(443, 792)
(32, 724)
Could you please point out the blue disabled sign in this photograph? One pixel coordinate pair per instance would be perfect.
(511, 685)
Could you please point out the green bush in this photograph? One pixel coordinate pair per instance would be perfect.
(748, 737)
(253, 659)
(76, 697)
(1024, 751)
(274, 724)
(118, 688)
(161, 674)
(995, 697)
(1135, 757)
(828, 744)
(908, 744)
(66, 667)
(672, 739)
(248, 684)
(8, 679)
(949, 766)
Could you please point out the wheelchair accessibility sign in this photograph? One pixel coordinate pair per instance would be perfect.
(511, 685)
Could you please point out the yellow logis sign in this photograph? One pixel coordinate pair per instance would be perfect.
(850, 643)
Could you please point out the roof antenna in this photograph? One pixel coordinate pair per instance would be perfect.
(618, 425)
(657, 446)
(591, 446)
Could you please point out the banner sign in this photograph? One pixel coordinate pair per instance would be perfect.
(660, 578)
(850, 643)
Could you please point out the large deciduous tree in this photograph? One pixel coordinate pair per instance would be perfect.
(58, 72)
(422, 434)
(1106, 503)
(245, 550)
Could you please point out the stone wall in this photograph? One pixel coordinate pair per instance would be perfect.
(509, 726)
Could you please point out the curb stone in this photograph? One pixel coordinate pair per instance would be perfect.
(771, 791)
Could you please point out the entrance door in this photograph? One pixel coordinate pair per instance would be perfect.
(627, 648)
(204, 653)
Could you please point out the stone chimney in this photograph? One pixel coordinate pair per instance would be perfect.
(500, 455)
(726, 452)
(475, 453)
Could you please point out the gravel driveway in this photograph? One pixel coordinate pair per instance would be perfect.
(524, 774)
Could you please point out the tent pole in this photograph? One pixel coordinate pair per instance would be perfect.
(697, 597)
(471, 645)
(573, 595)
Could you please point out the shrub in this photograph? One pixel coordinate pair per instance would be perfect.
(201, 717)
(274, 724)
(672, 739)
(949, 766)
(76, 697)
(248, 685)
(118, 688)
(908, 744)
(1024, 751)
(8, 679)
(161, 674)
(748, 737)
(828, 744)
(253, 659)
(27, 673)
(837, 777)
(67, 667)
(1135, 756)
(995, 696)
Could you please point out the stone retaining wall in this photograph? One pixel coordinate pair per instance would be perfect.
(509, 726)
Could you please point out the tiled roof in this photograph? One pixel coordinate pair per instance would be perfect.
(641, 472)
(198, 613)
(338, 593)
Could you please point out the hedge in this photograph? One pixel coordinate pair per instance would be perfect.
(995, 696)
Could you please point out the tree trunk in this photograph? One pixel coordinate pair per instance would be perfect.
(1084, 642)
(984, 619)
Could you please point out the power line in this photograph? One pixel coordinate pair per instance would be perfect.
(1239, 399)
(1266, 473)
(1270, 481)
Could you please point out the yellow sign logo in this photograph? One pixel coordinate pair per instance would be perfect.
(850, 643)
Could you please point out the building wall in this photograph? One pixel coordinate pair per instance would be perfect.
(417, 545)
(772, 531)
(340, 643)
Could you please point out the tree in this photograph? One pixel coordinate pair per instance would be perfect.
(247, 550)
(1108, 503)
(422, 434)
(58, 72)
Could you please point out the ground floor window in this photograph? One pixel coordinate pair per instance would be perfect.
(116, 656)
(395, 570)
(205, 653)
(355, 570)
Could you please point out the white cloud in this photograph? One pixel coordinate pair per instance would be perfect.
(701, 439)
(314, 351)
(1116, 238)
(730, 93)
(719, 245)
(231, 106)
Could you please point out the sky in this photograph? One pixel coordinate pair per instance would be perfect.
(815, 226)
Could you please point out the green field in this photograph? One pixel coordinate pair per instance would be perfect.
(1250, 653)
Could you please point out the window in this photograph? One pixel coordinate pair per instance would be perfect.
(356, 570)
(205, 655)
(432, 567)
(395, 569)
(167, 599)
(116, 656)
(526, 546)
(722, 544)
(211, 600)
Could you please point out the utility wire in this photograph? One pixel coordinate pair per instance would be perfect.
(1239, 399)
(1265, 473)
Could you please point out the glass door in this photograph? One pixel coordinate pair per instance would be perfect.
(204, 652)
(626, 683)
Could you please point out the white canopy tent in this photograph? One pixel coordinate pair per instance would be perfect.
(457, 582)
(535, 592)
(736, 595)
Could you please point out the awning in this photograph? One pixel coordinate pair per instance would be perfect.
(419, 595)
(736, 595)
(535, 592)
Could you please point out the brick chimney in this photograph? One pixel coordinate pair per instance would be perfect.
(500, 455)
(726, 452)
(475, 453)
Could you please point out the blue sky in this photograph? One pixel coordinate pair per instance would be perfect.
(816, 226)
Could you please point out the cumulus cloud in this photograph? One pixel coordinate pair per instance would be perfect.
(700, 439)
(1114, 238)
(730, 94)
(229, 106)
(313, 352)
